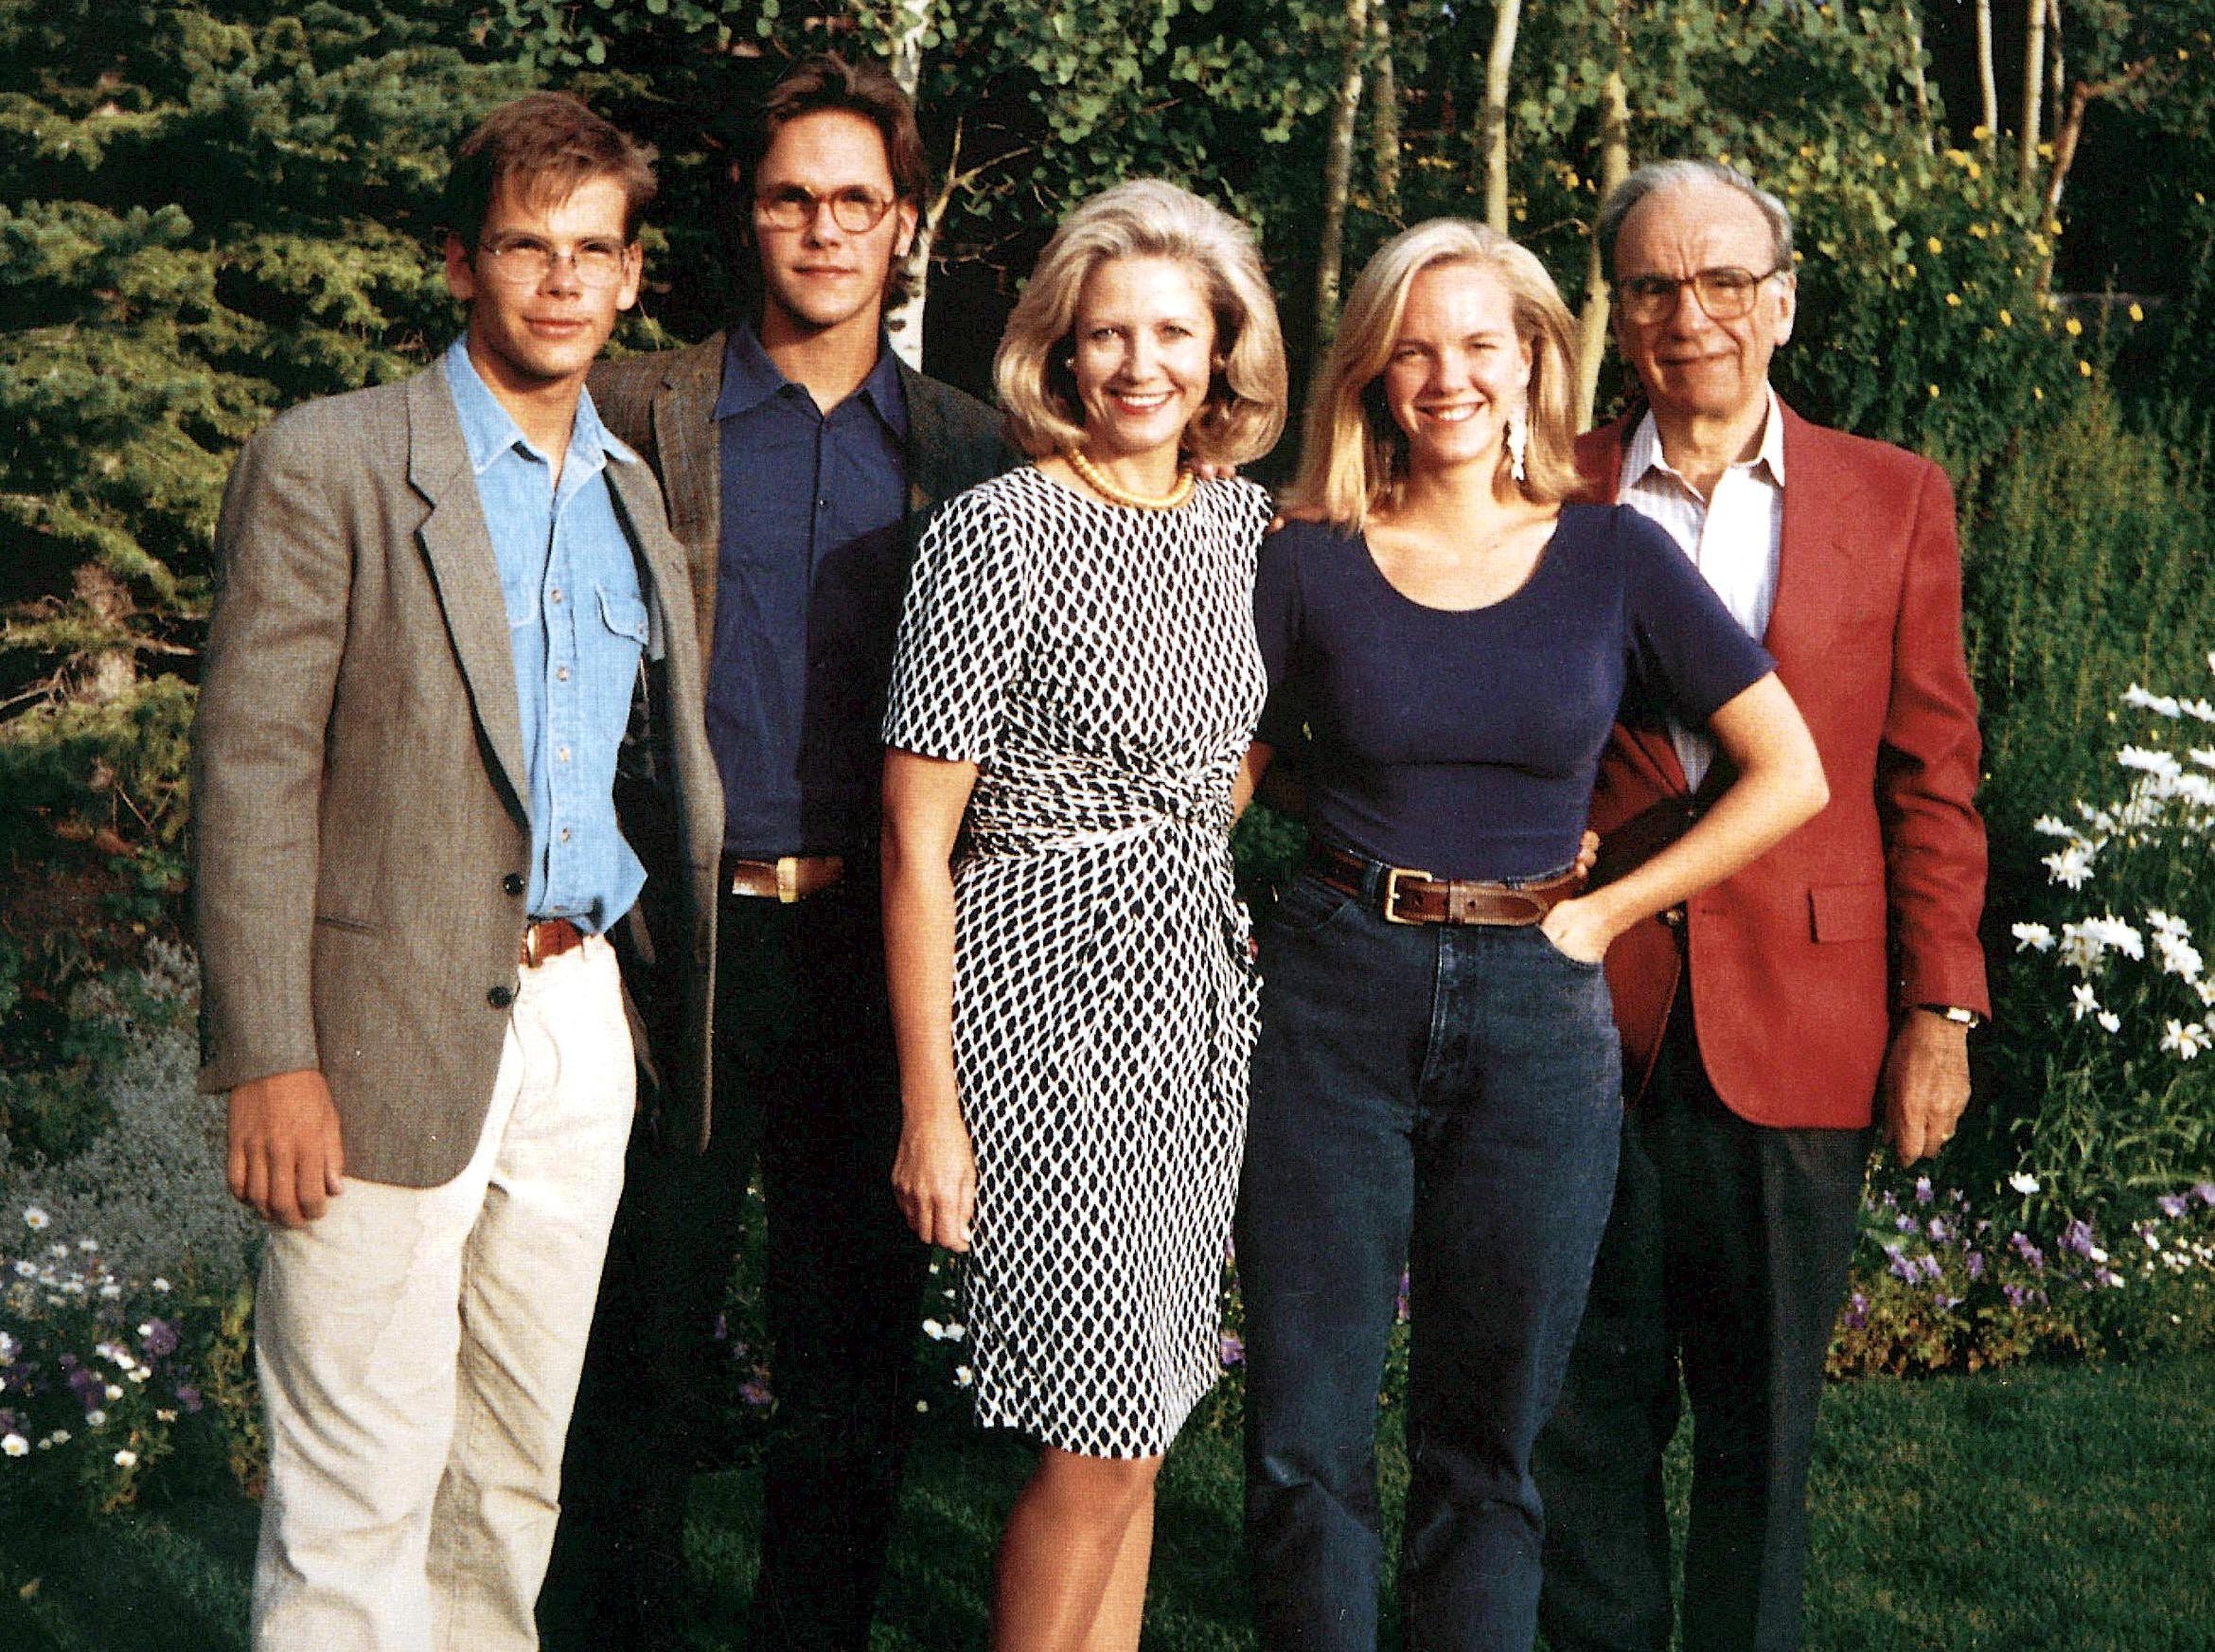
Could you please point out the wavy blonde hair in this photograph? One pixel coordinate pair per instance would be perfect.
(1353, 457)
(1244, 412)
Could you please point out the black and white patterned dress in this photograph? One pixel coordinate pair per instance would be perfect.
(1098, 665)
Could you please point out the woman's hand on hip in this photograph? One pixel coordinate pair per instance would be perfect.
(1579, 928)
(934, 1178)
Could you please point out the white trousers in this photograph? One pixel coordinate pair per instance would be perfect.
(420, 1350)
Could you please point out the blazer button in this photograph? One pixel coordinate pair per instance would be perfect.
(500, 997)
(512, 883)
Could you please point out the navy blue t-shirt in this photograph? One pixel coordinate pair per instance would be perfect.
(1464, 742)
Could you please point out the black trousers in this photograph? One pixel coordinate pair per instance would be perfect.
(1723, 1264)
(806, 1079)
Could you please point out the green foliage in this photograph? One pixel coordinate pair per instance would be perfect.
(2084, 572)
(2109, 1000)
(1937, 1287)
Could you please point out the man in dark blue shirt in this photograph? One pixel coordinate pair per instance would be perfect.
(795, 451)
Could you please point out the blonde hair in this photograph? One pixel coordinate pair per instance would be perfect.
(1353, 457)
(1244, 412)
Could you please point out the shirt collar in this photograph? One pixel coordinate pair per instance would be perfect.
(488, 430)
(750, 378)
(1642, 453)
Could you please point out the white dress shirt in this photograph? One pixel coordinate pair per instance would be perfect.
(1732, 536)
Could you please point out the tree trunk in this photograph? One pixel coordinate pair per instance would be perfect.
(1495, 113)
(1614, 168)
(2056, 69)
(2034, 84)
(1987, 83)
(904, 324)
(1338, 174)
(1384, 115)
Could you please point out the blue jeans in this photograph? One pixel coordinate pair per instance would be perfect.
(1450, 1098)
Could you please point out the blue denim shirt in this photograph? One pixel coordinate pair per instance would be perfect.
(812, 566)
(576, 623)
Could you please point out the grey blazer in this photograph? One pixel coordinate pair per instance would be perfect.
(360, 837)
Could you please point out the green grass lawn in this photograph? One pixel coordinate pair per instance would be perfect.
(2029, 1510)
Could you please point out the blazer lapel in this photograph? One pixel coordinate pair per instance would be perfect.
(685, 451)
(1812, 592)
(459, 549)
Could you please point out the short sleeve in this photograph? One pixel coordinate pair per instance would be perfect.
(961, 641)
(1685, 646)
(1277, 622)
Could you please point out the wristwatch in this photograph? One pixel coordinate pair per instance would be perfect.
(1955, 1013)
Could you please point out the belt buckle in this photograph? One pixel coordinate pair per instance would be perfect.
(1391, 892)
(532, 956)
(788, 880)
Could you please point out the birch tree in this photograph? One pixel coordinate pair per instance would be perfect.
(1498, 62)
(1338, 169)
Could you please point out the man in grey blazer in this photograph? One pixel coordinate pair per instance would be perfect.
(451, 697)
(796, 451)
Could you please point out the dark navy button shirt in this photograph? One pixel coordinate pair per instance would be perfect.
(576, 624)
(1463, 742)
(810, 570)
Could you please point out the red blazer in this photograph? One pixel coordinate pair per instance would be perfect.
(1800, 960)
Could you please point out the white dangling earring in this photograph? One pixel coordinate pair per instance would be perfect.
(1518, 438)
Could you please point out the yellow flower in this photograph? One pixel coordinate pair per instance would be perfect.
(2137, 313)
(2007, 320)
(1935, 245)
(2053, 226)
(2037, 394)
(2084, 369)
(1979, 231)
(1981, 133)
(1952, 301)
(2072, 326)
(1975, 170)
(1934, 392)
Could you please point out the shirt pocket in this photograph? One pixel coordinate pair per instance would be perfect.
(624, 614)
(1847, 912)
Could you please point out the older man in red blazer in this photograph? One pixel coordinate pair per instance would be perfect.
(1771, 1024)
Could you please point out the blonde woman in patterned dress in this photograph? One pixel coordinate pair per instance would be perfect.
(1075, 686)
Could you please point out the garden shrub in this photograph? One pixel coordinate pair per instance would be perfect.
(150, 1186)
(2109, 1002)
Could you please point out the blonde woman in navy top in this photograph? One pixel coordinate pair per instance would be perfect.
(1436, 1085)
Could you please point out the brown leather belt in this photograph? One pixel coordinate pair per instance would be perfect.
(787, 878)
(1403, 897)
(549, 938)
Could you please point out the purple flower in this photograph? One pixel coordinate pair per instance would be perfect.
(1856, 1315)
(755, 1393)
(1922, 1190)
(1945, 1304)
(1901, 1266)
(2077, 1238)
(722, 1330)
(85, 1384)
(1939, 1231)
(188, 1397)
(1231, 1348)
(1905, 1224)
(2016, 1294)
(2173, 1205)
(1931, 1270)
(159, 1336)
(1975, 1262)
(2029, 1252)
(2203, 1192)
